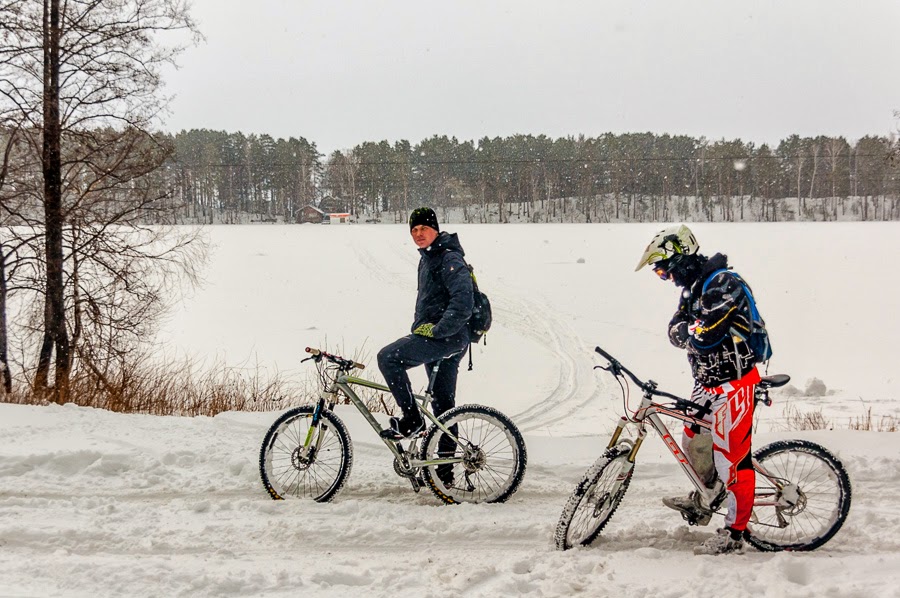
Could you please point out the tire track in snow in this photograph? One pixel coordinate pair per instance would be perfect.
(576, 385)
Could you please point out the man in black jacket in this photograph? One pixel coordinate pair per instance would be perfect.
(443, 307)
(713, 323)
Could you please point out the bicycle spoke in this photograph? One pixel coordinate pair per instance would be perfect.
(304, 474)
(490, 456)
(820, 505)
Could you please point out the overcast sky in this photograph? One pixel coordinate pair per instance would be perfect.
(340, 72)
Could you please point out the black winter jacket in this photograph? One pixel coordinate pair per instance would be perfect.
(445, 288)
(720, 321)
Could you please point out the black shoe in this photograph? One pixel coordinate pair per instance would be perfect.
(445, 475)
(446, 480)
(404, 427)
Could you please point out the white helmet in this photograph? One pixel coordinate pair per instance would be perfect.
(672, 241)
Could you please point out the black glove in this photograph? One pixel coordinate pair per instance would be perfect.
(678, 333)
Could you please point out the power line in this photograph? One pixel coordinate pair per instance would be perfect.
(538, 161)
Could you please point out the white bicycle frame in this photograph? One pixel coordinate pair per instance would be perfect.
(650, 412)
(783, 494)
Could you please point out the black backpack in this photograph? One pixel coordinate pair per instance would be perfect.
(480, 322)
(481, 319)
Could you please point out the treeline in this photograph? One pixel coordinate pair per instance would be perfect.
(224, 177)
(221, 177)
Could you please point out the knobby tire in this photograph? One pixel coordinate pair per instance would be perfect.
(285, 475)
(501, 456)
(824, 497)
(595, 499)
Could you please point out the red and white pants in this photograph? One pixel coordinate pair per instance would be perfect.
(730, 413)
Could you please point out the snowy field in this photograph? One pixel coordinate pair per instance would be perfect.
(102, 504)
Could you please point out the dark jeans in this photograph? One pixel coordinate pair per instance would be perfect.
(414, 350)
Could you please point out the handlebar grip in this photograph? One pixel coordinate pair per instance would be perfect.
(312, 351)
(359, 365)
(604, 353)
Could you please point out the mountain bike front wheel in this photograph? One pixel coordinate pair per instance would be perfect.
(320, 472)
(802, 497)
(492, 452)
(595, 499)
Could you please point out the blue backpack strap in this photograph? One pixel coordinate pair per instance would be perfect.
(754, 313)
(714, 274)
(764, 351)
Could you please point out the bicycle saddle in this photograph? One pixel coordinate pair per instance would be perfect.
(774, 381)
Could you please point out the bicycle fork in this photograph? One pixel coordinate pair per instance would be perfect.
(317, 430)
(710, 497)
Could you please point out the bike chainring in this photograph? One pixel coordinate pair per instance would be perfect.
(403, 469)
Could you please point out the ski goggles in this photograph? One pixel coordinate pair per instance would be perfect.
(664, 268)
(662, 272)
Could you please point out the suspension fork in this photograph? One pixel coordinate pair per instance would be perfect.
(635, 446)
(309, 447)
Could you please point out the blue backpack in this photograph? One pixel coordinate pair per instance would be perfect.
(758, 339)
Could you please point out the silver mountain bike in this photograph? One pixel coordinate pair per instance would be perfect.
(802, 490)
(470, 453)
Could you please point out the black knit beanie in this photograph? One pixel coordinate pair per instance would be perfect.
(424, 216)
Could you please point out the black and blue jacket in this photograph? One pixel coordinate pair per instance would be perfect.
(445, 296)
(713, 325)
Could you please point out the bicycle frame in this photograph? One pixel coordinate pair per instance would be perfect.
(650, 412)
(407, 465)
(801, 496)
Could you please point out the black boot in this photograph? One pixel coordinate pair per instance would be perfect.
(404, 427)
(446, 449)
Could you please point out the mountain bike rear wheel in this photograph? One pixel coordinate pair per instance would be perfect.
(595, 499)
(320, 474)
(802, 501)
(492, 450)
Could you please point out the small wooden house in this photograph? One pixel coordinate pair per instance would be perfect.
(310, 213)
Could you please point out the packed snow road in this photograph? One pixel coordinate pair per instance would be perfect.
(101, 504)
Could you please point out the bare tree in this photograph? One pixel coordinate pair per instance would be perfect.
(83, 77)
(4, 340)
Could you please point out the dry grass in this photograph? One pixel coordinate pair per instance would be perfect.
(187, 389)
(867, 423)
(794, 419)
(806, 420)
(174, 388)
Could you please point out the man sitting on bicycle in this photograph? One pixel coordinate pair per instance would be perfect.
(712, 323)
(443, 307)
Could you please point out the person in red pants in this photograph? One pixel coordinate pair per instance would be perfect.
(713, 323)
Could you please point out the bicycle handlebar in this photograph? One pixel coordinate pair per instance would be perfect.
(616, 367)
(345, 363)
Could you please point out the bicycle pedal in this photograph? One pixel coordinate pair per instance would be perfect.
(700, 519)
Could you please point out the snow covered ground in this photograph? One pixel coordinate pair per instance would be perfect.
(102, 504)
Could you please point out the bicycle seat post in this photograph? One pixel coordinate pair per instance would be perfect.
(434, 373)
